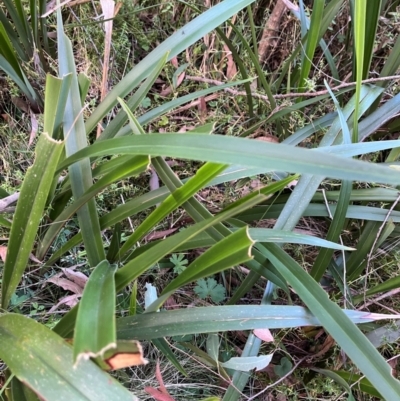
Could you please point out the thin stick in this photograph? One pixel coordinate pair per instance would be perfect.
(390, 293)
(292, 94)
(7, 201)
(369, 257)
(108, 7)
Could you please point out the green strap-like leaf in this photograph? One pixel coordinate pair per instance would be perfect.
(75, 139)
(29, 211)
(312, 41)
(180, 322)
(95, 323)
(353, 212)
(44, 361)
(246, 152)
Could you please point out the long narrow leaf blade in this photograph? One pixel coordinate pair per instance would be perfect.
(204, 320)
(95, 323)
(29, 211)
(246, 152)
(44, 361)
(75, 139)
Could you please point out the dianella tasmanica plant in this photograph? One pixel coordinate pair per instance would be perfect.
(71, 360)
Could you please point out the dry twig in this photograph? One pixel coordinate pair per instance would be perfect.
(291, 94)
(270, 38)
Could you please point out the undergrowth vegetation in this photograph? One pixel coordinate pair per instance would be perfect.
(200, 200)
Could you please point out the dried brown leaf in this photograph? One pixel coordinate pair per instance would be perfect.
(20, 104)
(167, 91)
(154, 182)
(74, 281)
(160, 234)
(77, 277)
(125, 357)
(3, 252)
(268, 138)
(160, 379)
(69, 300)
(108, 7)
(117, 8)
(231, 69)
(66, 284)
(202, 106)
(34, 128)
(180, 79)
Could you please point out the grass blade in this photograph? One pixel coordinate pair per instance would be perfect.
(75, 139)
(372, 14)
(28, 214)
(360, 21)
(180, 322)
(312, 41)
(233, 150)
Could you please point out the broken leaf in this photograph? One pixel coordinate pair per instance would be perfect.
(126, 354)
